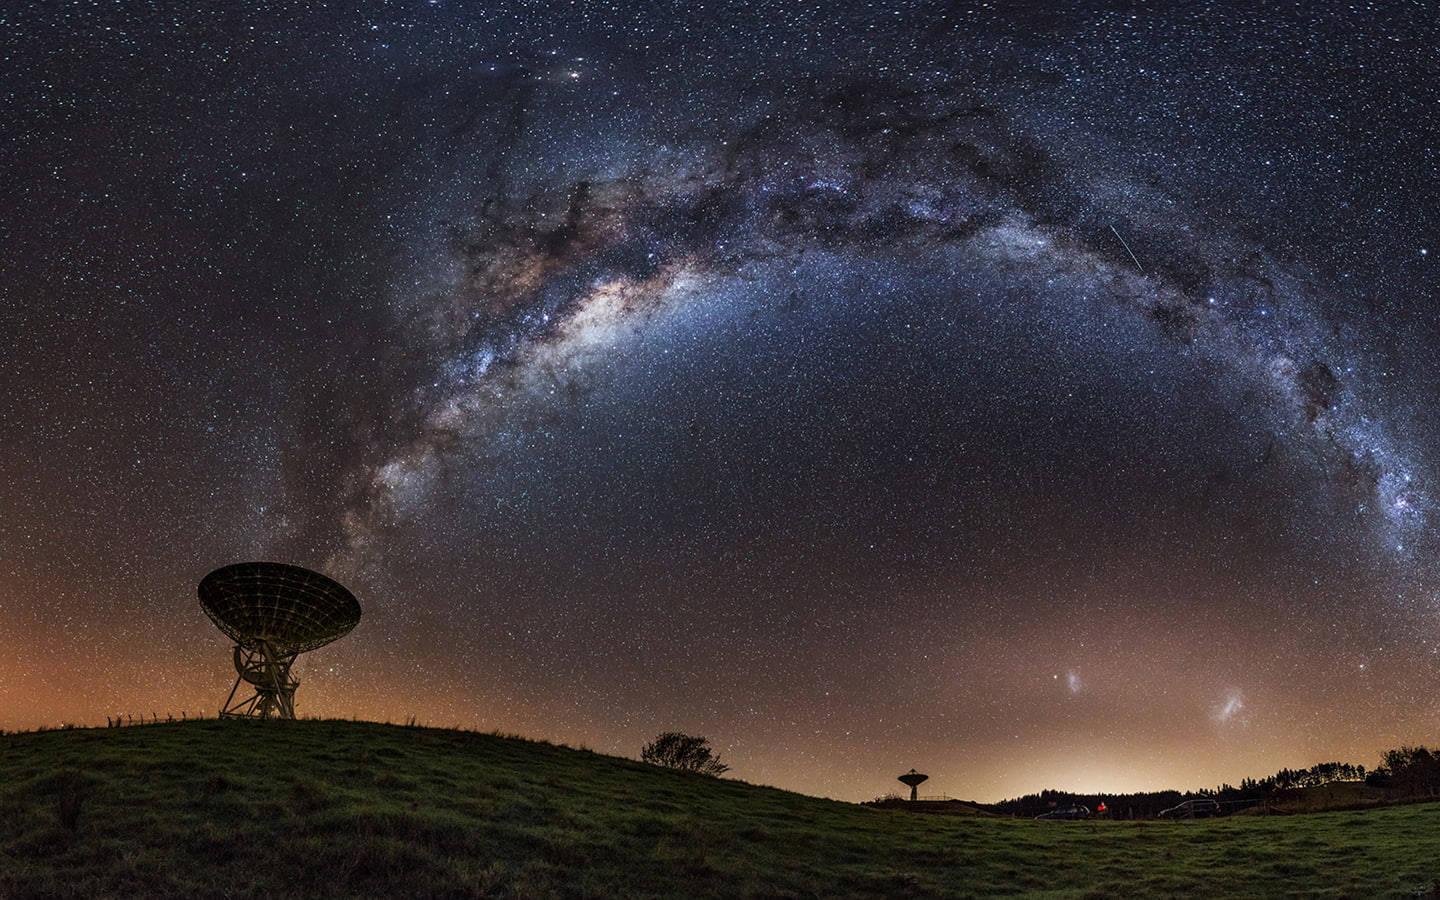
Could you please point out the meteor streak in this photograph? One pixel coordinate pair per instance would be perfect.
(1128, 250)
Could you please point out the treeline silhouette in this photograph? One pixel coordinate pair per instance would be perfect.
(1411, 770)
(1316, 775)
(1405, 771)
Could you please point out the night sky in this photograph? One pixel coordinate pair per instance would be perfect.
(1035, 399)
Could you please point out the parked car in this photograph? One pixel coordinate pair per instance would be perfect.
(1192, 809)
(1066, 813)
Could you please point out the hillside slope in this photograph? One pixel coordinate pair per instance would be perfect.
(328, 808)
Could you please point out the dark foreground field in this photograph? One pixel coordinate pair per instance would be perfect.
(322, 809)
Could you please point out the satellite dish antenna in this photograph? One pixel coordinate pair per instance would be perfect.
(913, 779)
(273, 613)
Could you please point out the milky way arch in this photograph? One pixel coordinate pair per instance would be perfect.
(869, 173)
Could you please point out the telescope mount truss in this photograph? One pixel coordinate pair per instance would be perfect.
(265, 671)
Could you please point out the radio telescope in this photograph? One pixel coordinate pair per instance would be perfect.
(913, 779)
(273, 613)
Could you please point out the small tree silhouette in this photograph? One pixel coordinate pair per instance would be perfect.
(688, 753)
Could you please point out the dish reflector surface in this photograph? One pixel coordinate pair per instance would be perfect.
(294, 609)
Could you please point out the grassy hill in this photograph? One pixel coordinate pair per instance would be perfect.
(1337, 795)
(322, 808)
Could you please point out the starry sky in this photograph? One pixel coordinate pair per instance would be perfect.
(1033, 398)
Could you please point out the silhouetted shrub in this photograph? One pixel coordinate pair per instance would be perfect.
(688, 753)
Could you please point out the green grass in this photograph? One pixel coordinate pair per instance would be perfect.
(321, 808)
(1335, 796)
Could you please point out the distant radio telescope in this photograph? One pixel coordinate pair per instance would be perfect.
(913, 778)
(273, 613)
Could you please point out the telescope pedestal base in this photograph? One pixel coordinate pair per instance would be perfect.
(267, 672)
